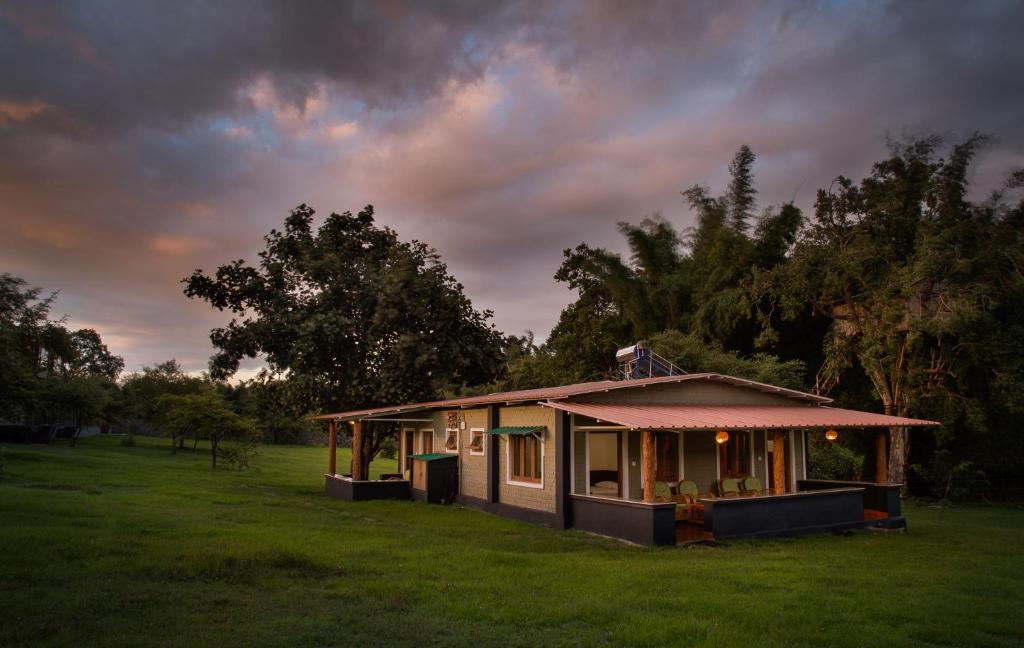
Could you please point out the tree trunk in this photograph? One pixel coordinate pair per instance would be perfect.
(78, 430)
(899, 450)
(174, 443)
(213, 452)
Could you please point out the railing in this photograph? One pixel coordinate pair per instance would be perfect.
(647, 364)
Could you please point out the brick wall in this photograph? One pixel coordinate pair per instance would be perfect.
(541, 499)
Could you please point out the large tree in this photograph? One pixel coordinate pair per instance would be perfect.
(352, 315)
(906, 269)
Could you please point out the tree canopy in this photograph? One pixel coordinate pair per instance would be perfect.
(350, 314)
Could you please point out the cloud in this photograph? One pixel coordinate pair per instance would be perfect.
(177, 245)
(140, 140)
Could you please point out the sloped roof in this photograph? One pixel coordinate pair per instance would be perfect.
(568, 391)
(726, 417)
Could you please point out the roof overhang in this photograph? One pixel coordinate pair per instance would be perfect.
(730, 417)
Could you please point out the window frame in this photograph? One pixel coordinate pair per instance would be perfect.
(447, 436)
(517, 480)
(483, 442)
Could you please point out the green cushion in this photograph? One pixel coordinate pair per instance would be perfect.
(752, 484)
(730, 486)
(687, 487)
(661, 489)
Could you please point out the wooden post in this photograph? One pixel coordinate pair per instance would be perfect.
(332, 448)
(881, 469)
(648, 465)
(779, 462)
(357, 450)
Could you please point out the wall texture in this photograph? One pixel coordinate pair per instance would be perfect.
(700, 458)
(542, 499)
(473, 476)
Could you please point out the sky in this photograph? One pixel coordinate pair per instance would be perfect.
(140, 140)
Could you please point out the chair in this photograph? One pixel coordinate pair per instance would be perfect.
(662, 492)
(728, 487)
(752, 486)
(686, 501)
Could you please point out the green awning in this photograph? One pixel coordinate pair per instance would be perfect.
(517, 430)
(432, 456)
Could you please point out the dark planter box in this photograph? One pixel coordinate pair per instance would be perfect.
(358, 491)
(783, 515)
(643, 524)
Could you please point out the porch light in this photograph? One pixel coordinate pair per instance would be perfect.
(831, 435)
(721, 437)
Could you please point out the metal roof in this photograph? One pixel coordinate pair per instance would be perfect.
(726, 417)
(567, 391)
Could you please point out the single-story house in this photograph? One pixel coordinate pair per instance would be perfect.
(653, 461)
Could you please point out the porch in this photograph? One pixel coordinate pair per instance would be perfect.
(669, 486)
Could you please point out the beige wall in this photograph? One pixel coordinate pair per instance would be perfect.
(473, 468)
(542, 499)
(604, 451)
(700, 458)
(696, 392)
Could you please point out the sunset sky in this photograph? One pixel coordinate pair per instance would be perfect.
(140, 140)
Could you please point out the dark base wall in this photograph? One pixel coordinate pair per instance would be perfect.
(644, 524)
(783, 515)
(358, 491)
(532, 516)
(877, 497)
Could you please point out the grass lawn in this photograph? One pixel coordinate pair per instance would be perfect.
(107, 545)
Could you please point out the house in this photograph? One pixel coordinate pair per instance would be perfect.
(653, 460)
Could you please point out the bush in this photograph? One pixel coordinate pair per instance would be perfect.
(237, 455)
(832, 460)
(951, 480)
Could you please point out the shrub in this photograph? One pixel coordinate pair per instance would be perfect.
(832, 460)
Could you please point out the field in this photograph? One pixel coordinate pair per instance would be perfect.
(111, 545)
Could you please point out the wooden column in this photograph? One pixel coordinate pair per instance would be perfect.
(357, 450)
(332, 448)
(779, 462)
(881, 457)
(648, 465)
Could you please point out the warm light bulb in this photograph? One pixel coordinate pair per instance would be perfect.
(722, 437)
(831, 435)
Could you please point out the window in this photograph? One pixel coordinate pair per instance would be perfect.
(476, 441)
(734, 455)
(524, 457)
(426, 441)
(451, 440)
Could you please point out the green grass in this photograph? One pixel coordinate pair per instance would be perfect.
(107, 545)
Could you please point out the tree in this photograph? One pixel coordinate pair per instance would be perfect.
(84, 399)
(142, 391)
(206, 416)
(905, 268)
(91, 356)
(690, 351)
(352, 315)
(46, 371)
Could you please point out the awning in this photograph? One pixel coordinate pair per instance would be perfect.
(517, 430)
(726, 417)
(433, 456)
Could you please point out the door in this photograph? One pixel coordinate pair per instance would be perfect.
(426, 441)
